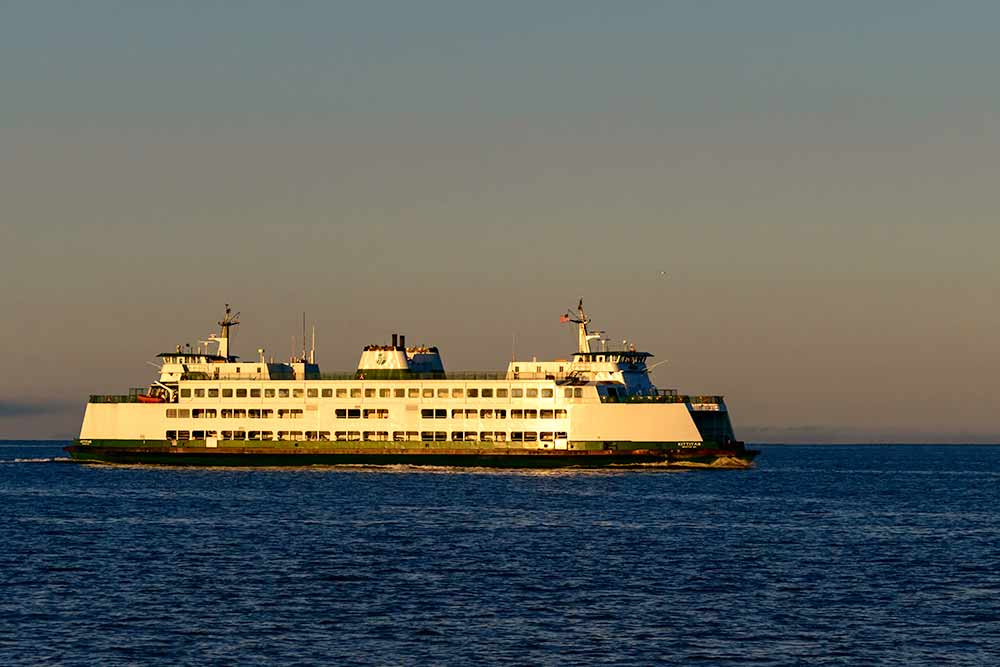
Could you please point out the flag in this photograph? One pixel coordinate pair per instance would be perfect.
(564, 318)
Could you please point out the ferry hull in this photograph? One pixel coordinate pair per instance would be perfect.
(292, 454)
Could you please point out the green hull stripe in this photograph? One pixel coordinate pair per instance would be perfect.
(284, 453)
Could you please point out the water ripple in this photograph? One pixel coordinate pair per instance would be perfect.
(827, 556)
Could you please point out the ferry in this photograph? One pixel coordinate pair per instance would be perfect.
(598, 408)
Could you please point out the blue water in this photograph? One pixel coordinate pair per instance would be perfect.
(879, 555)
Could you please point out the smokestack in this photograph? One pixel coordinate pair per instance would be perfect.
(402, 341)
(395, 342)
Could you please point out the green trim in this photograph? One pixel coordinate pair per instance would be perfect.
(289, 453)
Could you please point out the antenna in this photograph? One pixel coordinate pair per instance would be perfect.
(312, 348)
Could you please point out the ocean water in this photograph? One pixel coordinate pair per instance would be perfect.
(868, 555)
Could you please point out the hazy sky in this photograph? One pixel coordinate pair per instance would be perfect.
(819, 180)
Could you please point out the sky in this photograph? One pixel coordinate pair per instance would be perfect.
(791, 203)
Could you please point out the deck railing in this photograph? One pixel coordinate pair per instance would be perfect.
(113, 398)
(663, 397)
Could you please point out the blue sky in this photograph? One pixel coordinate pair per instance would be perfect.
(817, 179)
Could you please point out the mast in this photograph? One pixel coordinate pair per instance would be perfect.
(230, 320)
(584, 336)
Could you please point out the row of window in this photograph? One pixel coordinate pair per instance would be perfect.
(429, 413)
(401, 392)
(235, 413)
(375, 436)
(358, 413)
